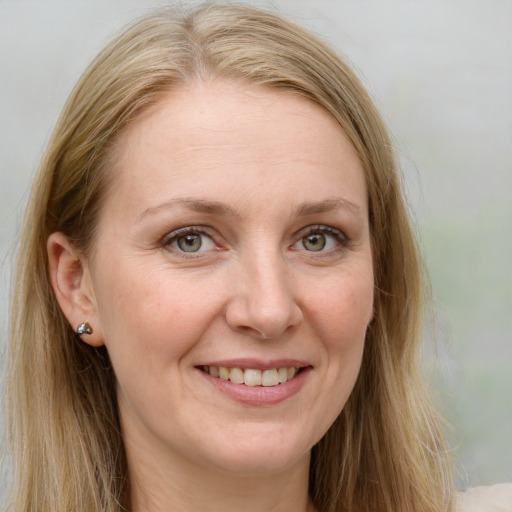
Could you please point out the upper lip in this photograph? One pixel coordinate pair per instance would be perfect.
(261, 364)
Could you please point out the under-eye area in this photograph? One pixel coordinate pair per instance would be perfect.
(253, 376)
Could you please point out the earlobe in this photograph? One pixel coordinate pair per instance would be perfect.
(71, 283)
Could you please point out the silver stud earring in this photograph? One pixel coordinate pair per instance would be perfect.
(83, 328)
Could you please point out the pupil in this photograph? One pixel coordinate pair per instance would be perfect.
(314, 242)
(189, 243)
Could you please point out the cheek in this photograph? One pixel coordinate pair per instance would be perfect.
(343, 309)
(341, 315)
(152, 319)
(150, 316)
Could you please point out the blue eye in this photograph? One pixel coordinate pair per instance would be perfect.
(189, 240)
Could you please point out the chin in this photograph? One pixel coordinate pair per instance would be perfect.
(256, 453)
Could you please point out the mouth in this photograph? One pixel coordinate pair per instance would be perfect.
(253, 377)
(256, 382)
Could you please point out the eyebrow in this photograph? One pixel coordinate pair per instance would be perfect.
(224, 210)
(196, 205)
(327, 206)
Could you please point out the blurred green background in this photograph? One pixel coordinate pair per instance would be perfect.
(441, 73)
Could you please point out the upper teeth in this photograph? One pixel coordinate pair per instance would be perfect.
(252, 376)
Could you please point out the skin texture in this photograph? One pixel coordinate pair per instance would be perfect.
(252, 172)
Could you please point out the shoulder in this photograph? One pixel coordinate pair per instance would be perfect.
(494, 498)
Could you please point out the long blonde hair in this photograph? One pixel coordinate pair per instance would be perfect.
(385, 451)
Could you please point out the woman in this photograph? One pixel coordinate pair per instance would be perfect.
(218, 293)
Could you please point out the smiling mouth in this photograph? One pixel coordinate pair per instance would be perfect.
(253, 376)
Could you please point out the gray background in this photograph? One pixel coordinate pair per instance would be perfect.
(441, 73)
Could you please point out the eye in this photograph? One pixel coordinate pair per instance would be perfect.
(189, 240)
(314, 242)
(321, 239)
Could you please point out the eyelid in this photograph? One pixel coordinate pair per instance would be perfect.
(322, 228)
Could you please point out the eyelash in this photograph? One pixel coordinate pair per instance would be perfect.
(341, 239)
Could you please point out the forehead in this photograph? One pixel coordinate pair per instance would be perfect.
(221, 133)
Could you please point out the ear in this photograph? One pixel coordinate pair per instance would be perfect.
(71, 281)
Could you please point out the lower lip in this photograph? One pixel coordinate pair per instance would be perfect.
(258, 396)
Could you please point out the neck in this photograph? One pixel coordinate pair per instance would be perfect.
(165, 483)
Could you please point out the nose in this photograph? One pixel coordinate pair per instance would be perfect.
(263, 304)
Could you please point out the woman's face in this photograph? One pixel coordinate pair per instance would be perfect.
(233, 244)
